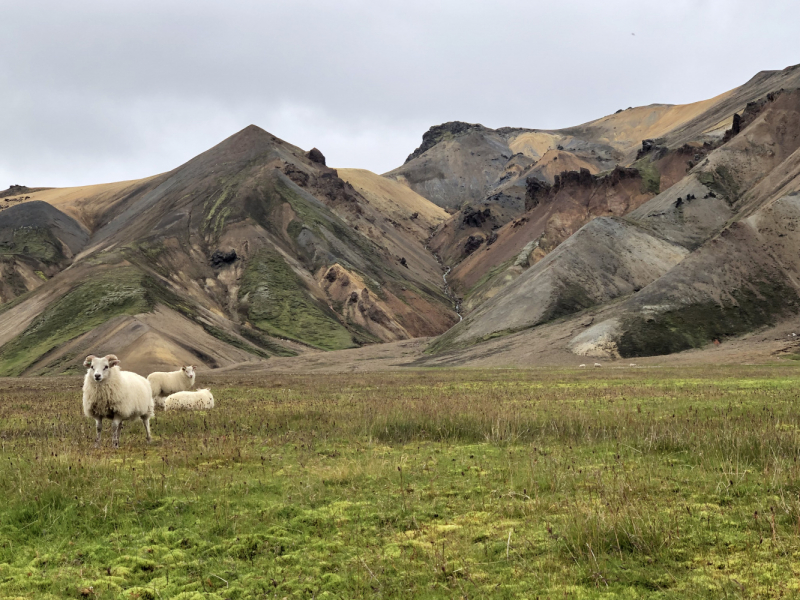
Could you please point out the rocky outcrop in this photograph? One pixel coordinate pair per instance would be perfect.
(654, 147)
(535, 191)
(327, 183)
(475, 217)
(538, 191)
(580, 178)
(335, 189)
(749, 114)
(437, 133)
(220, 258)
(316, 156)
(13, 190)
(473, 243)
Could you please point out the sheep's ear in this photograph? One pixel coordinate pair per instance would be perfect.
(113, 361)
(183, 368)
(88, 361)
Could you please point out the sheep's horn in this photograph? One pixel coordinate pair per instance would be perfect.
(113, 361)
(87, 362)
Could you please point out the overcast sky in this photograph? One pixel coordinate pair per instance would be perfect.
(97, 91)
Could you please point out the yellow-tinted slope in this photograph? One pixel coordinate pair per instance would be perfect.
(393, 199)
(648, 122)
(85, 203)
(554, 162)
(535, 144)
(623, 130)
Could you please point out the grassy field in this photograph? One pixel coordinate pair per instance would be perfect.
(607, 483)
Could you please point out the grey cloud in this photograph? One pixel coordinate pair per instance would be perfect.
(94, 91)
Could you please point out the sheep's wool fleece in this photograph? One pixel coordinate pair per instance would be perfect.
(124, 395)
(198, 400)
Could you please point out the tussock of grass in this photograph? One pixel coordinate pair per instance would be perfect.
(626, 483)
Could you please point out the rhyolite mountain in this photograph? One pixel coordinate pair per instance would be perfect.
(649, 231)
(252, 249)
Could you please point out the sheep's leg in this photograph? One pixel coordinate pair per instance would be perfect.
(115, 428)
(146, 421)
(99, 428)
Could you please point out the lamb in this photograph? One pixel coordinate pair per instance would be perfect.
(198, 400)
(164, 384)
(111, 393)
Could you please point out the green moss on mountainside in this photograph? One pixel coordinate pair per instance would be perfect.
(90, 304)
(694, 326)
(278, 303)
(651, 178)
(33, 243)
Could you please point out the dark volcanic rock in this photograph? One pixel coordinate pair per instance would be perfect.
(473, 243)
(619, 173)
(535, 191)
(475, 217)
(580, 178)
(653, 146)
(221, 258)
(750, 112)
(538, 191)
(13, 190)
(334, 188)
(316, 156)
(437, 133)
(296, 175)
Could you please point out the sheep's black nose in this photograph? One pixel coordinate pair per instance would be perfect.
(97, 376)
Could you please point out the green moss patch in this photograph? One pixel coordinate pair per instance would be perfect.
(696, 325)
(651, 178)
(34, 242)
(278, 303)
(93, 302)
(721, 181)
(570, 300)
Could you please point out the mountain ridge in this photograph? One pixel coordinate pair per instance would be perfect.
(602, 239)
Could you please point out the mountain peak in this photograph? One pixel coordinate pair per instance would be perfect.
(437, 133)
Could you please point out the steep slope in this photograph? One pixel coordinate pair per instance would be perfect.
(456, 163)
(739, 273)
(662, 142)
(36, 242)
(90, 204)
(555, 213)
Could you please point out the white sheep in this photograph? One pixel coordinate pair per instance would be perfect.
(164, 384)
(597, 365)
(197, 400)
(632, 364)
(581, 366)
(111, 393)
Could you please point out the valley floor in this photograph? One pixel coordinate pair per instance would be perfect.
(541, 347)
(671, 482)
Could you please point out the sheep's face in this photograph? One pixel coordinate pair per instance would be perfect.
(99, 368)
(188, 371)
